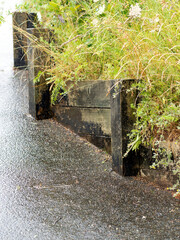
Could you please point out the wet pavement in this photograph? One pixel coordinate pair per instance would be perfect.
(54, 185)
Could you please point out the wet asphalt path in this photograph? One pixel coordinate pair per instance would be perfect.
(56, 186)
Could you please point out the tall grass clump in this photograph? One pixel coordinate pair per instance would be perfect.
(101, 39)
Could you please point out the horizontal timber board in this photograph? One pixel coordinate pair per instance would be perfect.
(89, 94)
(85, 121)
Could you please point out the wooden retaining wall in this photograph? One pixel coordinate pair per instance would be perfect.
(94, 109)
(87, 111)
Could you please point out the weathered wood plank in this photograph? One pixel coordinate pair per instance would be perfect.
(89, 94)
(91, 121)
(122, 120)
(39, 96)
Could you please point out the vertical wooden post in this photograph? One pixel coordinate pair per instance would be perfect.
(122, 120)
(21, 20)
(38, 60)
